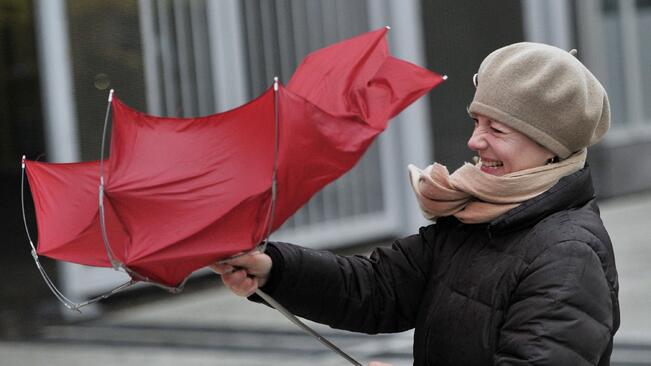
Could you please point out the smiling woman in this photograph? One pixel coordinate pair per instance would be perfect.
(517, 267)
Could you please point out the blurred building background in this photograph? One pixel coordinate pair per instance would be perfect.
(59, 58)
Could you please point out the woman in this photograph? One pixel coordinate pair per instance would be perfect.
(517, 268)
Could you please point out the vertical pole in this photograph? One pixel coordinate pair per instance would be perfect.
(149, 42)
(631, 62)
(57, 92)
(57, 95)
(203, 75)
(184, 57)
(548, 22)
(410, 131)
(227, 53)
(168, 59)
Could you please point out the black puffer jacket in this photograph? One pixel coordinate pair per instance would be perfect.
(538, 285)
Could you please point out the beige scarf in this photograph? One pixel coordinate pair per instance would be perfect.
(473, 196)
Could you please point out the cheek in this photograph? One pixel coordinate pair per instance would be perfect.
(507, 151)
(527, 157)
(513, 153)
(513, 159)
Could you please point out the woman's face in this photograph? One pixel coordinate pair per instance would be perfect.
(503, 150)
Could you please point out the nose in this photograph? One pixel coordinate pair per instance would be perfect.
(476, 141)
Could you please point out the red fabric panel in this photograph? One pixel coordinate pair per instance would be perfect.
(173, 180)
(329, 77)
(315, 149)
(67, 213)
(358, 78)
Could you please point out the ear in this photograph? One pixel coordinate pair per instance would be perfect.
(552, 159)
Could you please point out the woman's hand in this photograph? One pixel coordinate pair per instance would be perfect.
(244, 275)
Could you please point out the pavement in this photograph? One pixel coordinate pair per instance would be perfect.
(210, 326)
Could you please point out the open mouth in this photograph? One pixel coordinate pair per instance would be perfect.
(490, 166)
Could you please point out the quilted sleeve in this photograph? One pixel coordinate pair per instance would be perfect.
(561, 311)
(376, 294)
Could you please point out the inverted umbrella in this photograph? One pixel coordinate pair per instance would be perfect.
(182, 193)
(178, 194)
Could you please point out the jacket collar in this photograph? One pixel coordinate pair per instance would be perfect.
(571, 191)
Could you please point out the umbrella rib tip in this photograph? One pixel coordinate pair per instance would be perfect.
(387, 27)
(445, 77)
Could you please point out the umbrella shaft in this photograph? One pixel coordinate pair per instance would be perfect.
(276, 305)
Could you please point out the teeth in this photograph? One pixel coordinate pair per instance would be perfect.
(492, 164)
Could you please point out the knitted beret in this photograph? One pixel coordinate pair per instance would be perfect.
(544, 92)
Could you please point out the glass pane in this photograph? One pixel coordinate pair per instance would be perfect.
(609, 6)
(21, 129)
(613, 53)
(105, 52)
(644, 32)
(644, 3)
(21, 132)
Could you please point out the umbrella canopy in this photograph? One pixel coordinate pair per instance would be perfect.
(182, 193)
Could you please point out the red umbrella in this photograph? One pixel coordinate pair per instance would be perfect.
(182, 193)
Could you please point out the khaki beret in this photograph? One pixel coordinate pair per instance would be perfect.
(544, 92)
